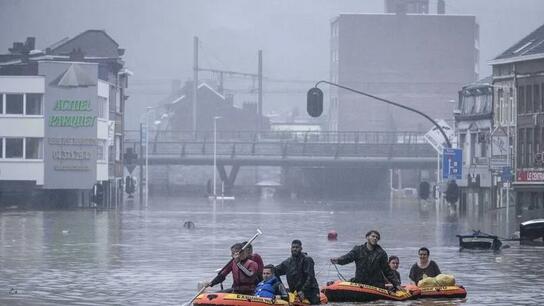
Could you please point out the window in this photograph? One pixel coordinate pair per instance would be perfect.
(100, 148)
(33, 148)
(511, 106)
(529, 99)
(1, 147)
(102, 108)
(14, 104)
(14, 147)
(521, 99)
(521, 148)
(2, 105)
(502, 110)
(536, 97)
(529, 160)
(33, 104)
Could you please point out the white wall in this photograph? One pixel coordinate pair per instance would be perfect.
(22, 170)
(22, 126)
(22, 84)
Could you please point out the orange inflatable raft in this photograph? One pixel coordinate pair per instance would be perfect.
(451, 292)
(341, 291)
(234, 299)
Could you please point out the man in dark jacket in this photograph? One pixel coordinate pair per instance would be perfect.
(300, 274)
(370, 263)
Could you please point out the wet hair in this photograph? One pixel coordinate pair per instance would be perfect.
(370, 232)
(271, 267)
(296, 241)
(236, 247)
(424, 249)
(393, 257)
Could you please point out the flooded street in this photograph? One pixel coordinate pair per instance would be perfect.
(145, 256)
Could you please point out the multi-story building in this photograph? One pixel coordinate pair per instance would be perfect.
(409, 57)
(61, 122)
(518, 81)
(473, 124)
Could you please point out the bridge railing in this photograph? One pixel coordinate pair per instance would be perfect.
(282, 136)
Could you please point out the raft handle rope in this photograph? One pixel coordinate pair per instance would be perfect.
(338, 272)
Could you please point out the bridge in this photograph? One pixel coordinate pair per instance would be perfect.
(367, 151)
(293, 148)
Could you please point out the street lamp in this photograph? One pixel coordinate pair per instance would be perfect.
(148, 110)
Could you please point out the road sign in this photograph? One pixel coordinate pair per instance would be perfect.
(452, 164)
(435, 138)
(506, 174)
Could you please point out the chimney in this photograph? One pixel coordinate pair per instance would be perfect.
(30, 43)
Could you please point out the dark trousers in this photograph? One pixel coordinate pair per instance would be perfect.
(313, 296)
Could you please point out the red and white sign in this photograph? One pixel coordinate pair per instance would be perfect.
(530, 175)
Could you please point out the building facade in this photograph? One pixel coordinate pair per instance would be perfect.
(473, 125)
(61, 123)
(412, 59)
(518, 79)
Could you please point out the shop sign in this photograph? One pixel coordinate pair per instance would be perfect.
(530, 175)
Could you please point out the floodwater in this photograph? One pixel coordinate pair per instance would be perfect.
(145, 256)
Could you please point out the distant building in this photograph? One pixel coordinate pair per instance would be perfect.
(61, 122)
(413, 59)
(473, 122)
(211, 103)
(518, 82)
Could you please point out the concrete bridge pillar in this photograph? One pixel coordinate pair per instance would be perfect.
(229, 179)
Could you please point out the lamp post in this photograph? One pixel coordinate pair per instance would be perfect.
(215, 154)
(148, 110)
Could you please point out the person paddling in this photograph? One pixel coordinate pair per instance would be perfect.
(244, 272)
(256, 258)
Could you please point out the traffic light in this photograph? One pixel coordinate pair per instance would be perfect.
(130, 156)
(314, 102)
(452, 192)
(424, 190)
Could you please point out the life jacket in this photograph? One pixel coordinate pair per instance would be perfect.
(266, 288)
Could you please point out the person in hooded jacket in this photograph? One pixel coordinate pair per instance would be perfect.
(371, 263)
(271, 287)
(300, 274)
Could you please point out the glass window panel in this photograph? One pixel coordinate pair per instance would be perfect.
(33, 104)
(529, 99)
(1, 103)
(33, 148)
(14, 147)
(521, 99)
(14, 104)
(1, 147)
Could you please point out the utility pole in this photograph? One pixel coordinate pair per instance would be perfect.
(195, 82)
(260, 101)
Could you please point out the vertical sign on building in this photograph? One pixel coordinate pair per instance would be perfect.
(70, 118)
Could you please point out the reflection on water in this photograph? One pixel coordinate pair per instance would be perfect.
(147, 256)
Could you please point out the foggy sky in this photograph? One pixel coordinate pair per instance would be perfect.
(293, 34)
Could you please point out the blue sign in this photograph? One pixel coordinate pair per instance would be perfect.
(506, 174)
(452, 164)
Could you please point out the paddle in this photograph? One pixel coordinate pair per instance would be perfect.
(259, 232)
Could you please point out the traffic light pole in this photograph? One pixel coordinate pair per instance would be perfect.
(388, 102)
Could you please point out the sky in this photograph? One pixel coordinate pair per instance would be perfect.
(293, 34)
